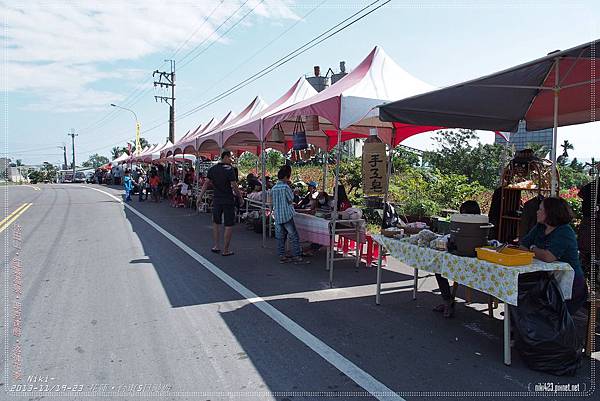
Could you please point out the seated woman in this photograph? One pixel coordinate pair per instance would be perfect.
(322, 203)
(306, 202)
(256, 193)
(553, 239)
(343, 202)
(447, 308)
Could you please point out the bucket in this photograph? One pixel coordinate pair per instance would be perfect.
(277, 134)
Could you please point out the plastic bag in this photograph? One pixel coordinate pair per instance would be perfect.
(545, 333)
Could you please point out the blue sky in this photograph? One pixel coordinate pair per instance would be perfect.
(67, 61)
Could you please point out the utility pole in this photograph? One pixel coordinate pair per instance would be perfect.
(64, 149)
(167, 80)
(72, 134)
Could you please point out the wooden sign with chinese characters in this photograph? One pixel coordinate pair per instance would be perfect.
(374, 168)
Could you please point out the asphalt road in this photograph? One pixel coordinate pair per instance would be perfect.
(120, 303)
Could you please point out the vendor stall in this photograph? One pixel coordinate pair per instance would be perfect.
(497, 280)
(318, 230)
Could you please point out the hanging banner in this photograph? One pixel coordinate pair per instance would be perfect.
(374, 169)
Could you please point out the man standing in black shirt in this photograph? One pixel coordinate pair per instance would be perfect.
(223, 178)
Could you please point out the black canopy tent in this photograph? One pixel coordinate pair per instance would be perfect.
(556, 90)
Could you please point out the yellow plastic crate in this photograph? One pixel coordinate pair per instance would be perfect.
(506, 257)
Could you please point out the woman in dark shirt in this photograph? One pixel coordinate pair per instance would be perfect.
(553, 239)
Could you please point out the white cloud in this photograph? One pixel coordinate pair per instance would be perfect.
(58, 50)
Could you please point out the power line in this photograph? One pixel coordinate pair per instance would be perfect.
(283, 60)
(287, 58)
(205, 40)
(141, 92)
(196, 31)
(245, 62)
(181, 60)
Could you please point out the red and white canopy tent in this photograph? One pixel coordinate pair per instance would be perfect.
(148, 150)
(154, 154)
(250, 132)
(177, 142)
(553, 91)
(209, 144)
(250, 112)
(121, 159)
(346, 109)
(183, 143)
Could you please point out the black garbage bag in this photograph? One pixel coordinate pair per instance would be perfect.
(544, 331)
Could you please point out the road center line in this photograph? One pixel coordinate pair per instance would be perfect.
(12, 213)
(14, 216)
(359, 376)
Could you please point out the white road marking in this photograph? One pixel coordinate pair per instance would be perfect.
(359, 376)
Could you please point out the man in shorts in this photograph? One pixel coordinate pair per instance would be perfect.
(223, 179)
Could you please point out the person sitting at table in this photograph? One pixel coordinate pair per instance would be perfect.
(297, 198)
(553, 239)
(256, 193)
(447, 308)
(306, 202)
(343, 203)
(251, 182)
(322, 202)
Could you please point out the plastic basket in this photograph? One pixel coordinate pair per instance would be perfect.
(506, 257)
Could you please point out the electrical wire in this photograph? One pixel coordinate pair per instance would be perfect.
(134, 98)
(181, 46)
(267, 70)
(245, 62)
(285, 59)
(181, 60)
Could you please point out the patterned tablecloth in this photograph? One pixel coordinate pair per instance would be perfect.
(496, 280)
(316, 229)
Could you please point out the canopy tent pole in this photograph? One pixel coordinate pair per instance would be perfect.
(263, 180)
(325, 163)
(555, 129)
(334, 215)
(385, 199)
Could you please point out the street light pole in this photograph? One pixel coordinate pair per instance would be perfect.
(137, 127)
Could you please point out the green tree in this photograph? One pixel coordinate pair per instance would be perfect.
(566, 145)
(49, 171)
(351, 173)
(572, 178)
(35, 176)
(459, 152)
(19, 162)
(95, 161)
(116, 152)
(275, 160)
(576, 165)
(403, 159)
(539, 150)
(247, 161)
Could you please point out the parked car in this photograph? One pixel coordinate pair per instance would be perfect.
(79, 177)
(90, 178)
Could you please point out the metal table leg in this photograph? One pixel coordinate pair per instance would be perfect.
(507, 356)
(356, 245)
(379, 259)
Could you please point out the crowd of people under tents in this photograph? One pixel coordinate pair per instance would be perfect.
(550, 239)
